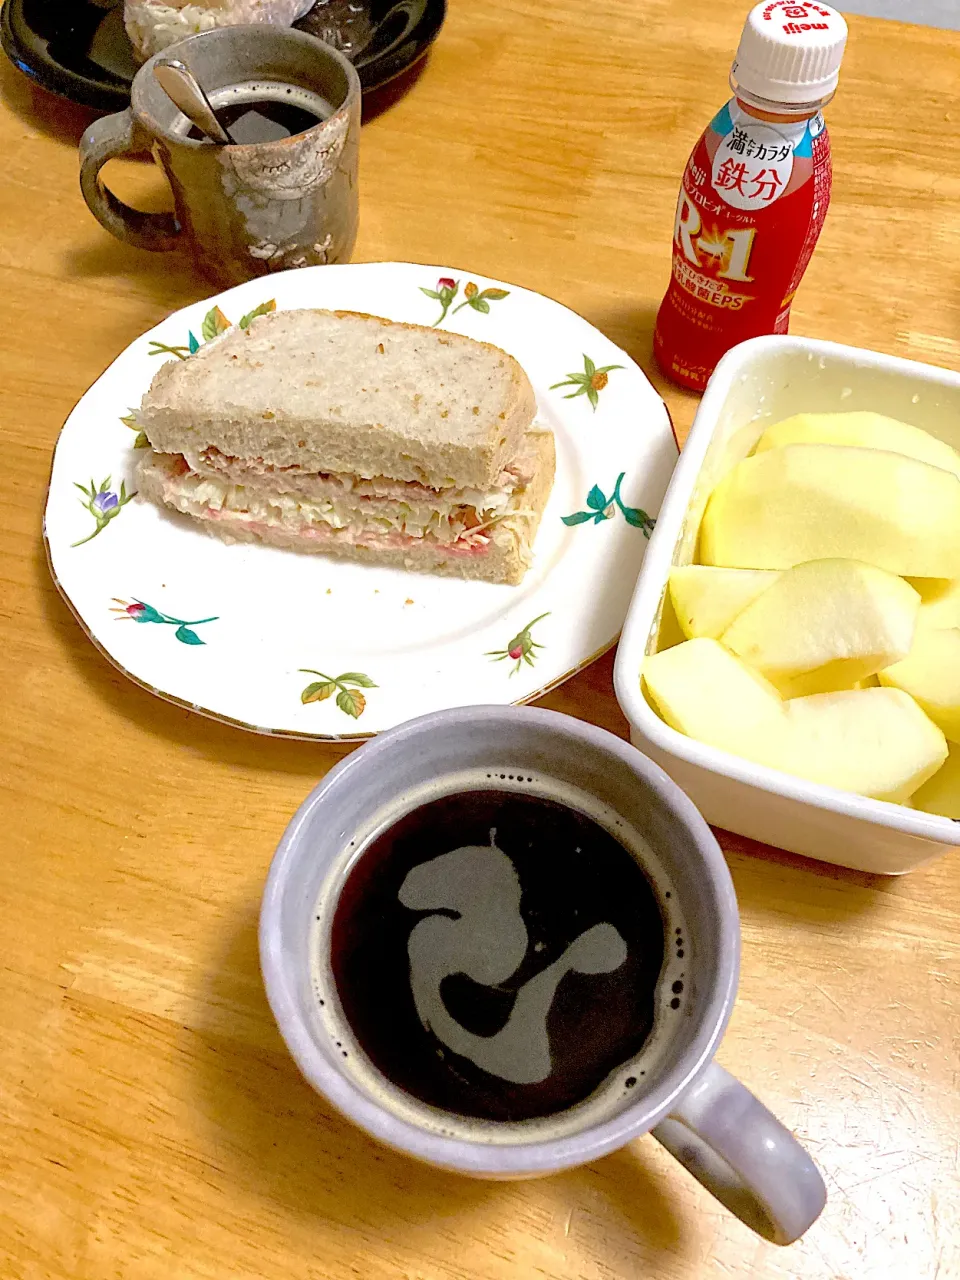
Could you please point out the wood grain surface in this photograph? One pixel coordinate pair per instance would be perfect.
(151, 1123)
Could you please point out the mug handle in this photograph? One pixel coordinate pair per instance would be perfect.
(744, 1156)
(107, 138)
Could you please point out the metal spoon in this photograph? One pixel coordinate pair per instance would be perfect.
(179, 84)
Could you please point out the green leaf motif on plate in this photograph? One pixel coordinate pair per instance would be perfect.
(349, 698)
(445, 292)
(262, 310)
(601, 508)
(103, 504)
(357, 678)
(318, 691)
(473, 296)
(522, 648)
(139, 611)
(214, 323)
(589, 383)
(130, 420)
(162, 349)
(351, 702)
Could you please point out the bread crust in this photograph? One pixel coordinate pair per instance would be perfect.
(342, 391)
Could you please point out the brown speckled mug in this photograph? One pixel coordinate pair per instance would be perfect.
(242, 211)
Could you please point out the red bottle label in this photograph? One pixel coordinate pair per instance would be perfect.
(753, 200)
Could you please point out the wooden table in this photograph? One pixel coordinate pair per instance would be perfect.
(151, 1123)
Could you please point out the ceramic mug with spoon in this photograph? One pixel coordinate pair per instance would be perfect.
(270, 198)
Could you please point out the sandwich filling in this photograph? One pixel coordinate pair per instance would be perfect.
(373, 512)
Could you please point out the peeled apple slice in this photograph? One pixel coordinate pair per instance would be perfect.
(876, 742)
(825, 625)
(930, 673)
(864, 431)
(702, 690)
(942, 793)
(810, 501)
(939, 602)
(706, 600)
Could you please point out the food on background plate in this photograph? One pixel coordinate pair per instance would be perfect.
(876, 742)
(825, 625)
(153, 25)
(706, 600)
(351, 435)
(811, 551)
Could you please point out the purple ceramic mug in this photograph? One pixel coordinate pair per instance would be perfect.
(709, 1121)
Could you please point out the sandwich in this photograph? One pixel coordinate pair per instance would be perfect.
(350, 435)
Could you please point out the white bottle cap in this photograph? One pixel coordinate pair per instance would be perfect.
(790, 52)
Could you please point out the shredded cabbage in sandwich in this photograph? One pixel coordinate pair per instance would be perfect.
(351, 512)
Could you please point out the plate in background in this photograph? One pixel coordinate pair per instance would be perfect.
(79, 49)
(245, 632)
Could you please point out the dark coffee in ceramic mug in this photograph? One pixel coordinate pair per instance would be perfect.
(498, 954)
(265, 111)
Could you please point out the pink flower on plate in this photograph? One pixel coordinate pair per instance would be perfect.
(522, 648)
(445, 292)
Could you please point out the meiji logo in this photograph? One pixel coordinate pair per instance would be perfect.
(795, 28)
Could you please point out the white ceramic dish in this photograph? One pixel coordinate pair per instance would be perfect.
(242, 633)
(760, 382)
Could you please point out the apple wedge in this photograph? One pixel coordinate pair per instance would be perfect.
(941, 794)
(930, 673)
(939, 602)
(825, 625)
(876, 742)
(702, 690)
(809, 501)
(864, 431)
(706, 600)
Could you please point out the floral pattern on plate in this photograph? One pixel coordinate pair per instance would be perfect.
(347, 687)
(473, 296)
(522, 648)
(139, 611)
(213, 324)
(600, 508)
(589, 383)
(103, 504)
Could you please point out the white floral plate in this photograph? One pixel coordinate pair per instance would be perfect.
(310, 647)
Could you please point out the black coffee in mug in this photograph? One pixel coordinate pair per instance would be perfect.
(264, 111)
(498, 954)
